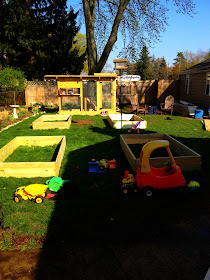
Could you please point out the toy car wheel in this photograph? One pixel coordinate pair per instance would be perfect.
(18, 198)
(148, 191)
(39, 199)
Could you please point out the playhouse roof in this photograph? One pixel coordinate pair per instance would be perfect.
(83, 77)
(204, 66)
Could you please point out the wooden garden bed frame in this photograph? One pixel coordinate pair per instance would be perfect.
(187, 159)
(31, 169)
(52, 122)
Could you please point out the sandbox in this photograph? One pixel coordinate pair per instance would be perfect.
(128, 120)
(32, 169)
(187, 159)
(52, 122)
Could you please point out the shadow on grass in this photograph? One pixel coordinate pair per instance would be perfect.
(94, 226)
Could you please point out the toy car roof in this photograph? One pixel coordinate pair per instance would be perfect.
(146, 151)
(152, 145)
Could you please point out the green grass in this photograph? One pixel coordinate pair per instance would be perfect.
(33, 154)
(97, 198)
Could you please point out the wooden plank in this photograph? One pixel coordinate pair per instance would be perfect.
(92, 103)
(207, 124)
(8, 149)
(60, 154)
(38, 140)
(27, 169)
(143, 138)
(128, 153)
(180, 148)
(85, 103)
(110, 121)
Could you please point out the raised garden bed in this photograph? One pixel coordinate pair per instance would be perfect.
(185, 158)
(32, 169)
(52, 122)
(128, 120)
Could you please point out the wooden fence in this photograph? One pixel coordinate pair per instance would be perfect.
(44, 93)
(149, 92)
(146, 91)
(12, 97)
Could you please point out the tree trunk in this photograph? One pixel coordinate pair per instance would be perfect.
(89, 13)
(95, 66)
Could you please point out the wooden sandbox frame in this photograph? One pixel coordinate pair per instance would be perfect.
(32, 169)
(188, 160)
(128, 121)
(46, 122)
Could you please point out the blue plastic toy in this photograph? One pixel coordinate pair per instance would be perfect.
(94, 167)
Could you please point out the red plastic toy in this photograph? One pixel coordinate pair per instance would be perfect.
(149, 178)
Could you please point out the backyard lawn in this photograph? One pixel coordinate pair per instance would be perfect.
(91, 206)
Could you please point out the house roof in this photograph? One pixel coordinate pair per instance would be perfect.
(204, 66)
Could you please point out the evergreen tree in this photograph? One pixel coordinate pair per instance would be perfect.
(163, 63)
(62, 29)
(144, 65)
(37, 37)
(181, 61)
(163, 70)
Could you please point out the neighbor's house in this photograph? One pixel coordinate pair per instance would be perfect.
(195, 84)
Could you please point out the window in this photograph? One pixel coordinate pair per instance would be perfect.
(208, 84)
(187, 84)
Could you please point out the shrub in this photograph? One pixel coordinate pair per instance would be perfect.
(21, 113)
(4, 115)
(11, 118)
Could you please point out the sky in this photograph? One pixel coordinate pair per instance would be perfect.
(184, 33)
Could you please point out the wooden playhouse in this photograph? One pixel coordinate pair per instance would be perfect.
(89, 94)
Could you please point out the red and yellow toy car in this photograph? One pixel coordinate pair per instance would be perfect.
(149, 178)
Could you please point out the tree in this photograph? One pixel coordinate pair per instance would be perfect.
(138, 21)
(80, 44)
(144, 65)
(174, 72)
(37, 36)
(61, 30)
(11, 79)
(163, 63)
(163, 70)
(181, 61)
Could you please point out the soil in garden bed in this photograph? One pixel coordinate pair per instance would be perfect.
(34, 154)
(82, 122)
(136, 149)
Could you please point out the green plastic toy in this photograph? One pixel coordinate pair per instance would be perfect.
(56, 183)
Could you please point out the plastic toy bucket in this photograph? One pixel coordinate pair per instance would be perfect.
(198, 114)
